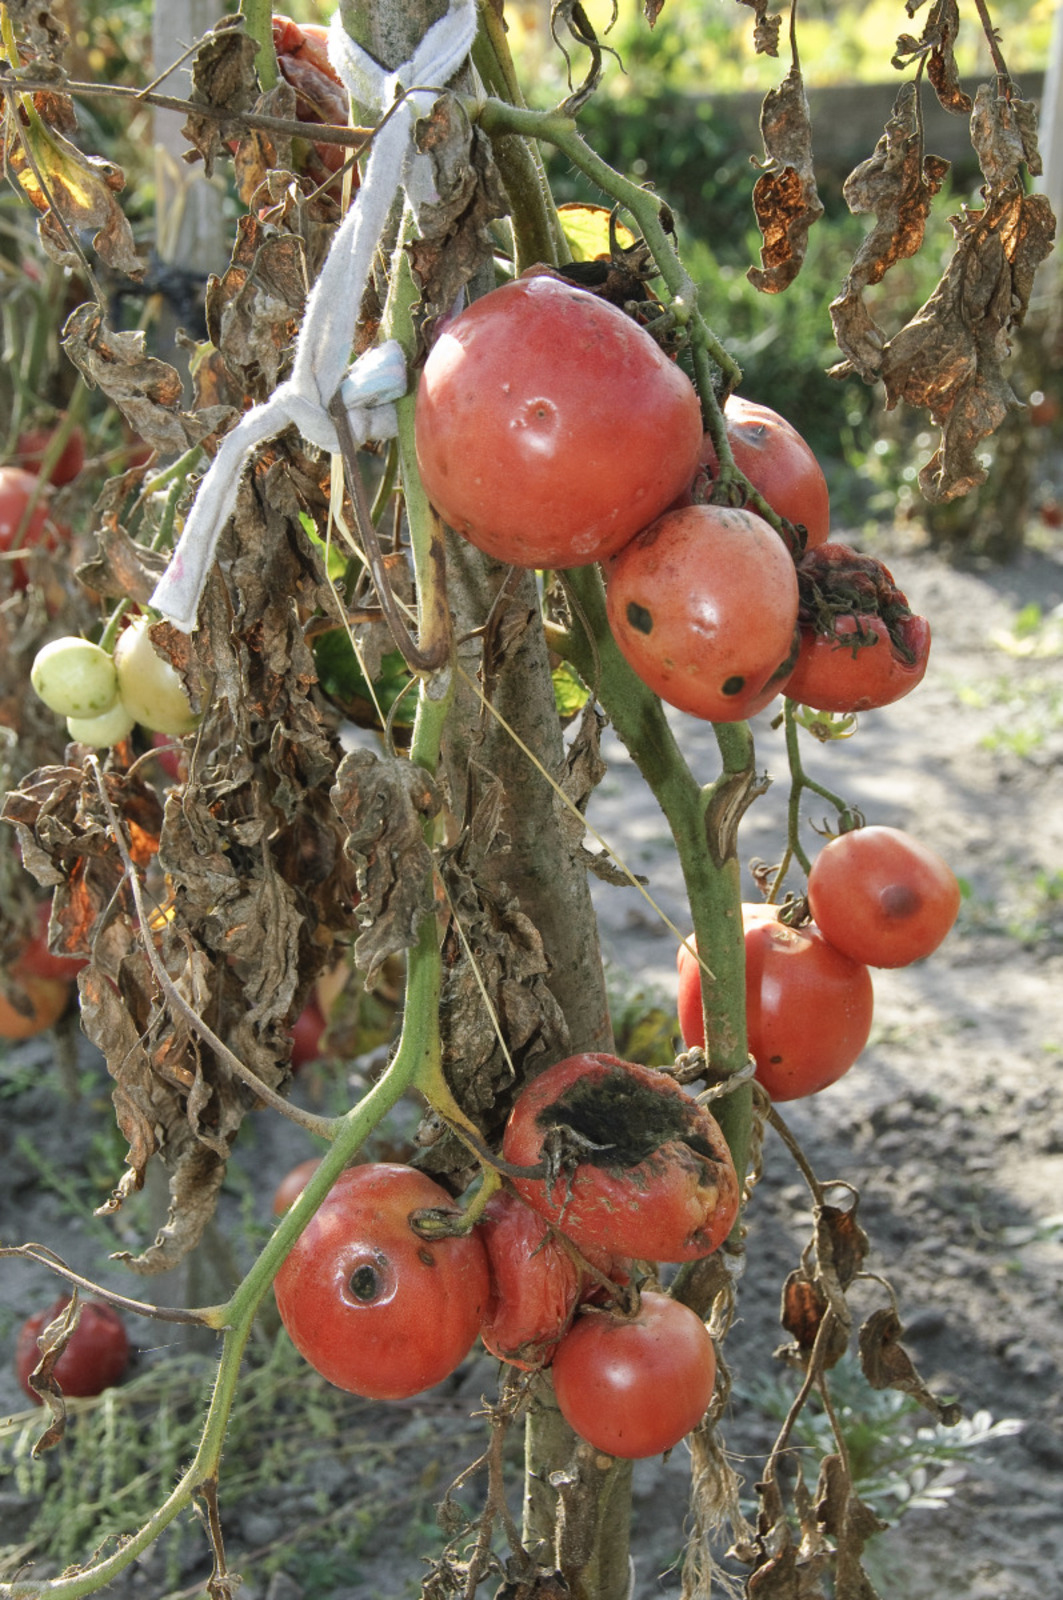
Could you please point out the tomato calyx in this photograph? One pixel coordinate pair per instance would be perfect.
(836, 583)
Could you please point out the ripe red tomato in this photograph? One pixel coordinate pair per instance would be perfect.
(881, 897)
(635, 1386)
(293, 1183)
(535, 1283)
(33, 444)
(95, 1357)
(703, 605)
(376, 1309)
(833, 674)
(44, 1000)
(777, 462)
(636, 1167)
(550, 426)
(808, 1006)
(16, 488)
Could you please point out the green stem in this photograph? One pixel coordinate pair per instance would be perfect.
(258, 25)
(799, 782)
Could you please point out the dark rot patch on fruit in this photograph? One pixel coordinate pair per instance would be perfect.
(366, 1284)
(733, 685)
(639, 617)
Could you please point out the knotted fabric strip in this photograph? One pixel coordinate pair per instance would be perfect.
(322, 350)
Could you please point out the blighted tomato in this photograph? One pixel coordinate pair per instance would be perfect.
(634, 1166)
(808, 1006)
(778, 463)
(535, 1283)
(96, 1354)
(550, 427)
(703, 605)
(374, 1307)
(882, 897)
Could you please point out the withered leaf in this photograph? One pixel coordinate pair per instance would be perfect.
(804, 1306)
(785, 198)
(1004, 135)
(651, 10)
(223, 77)
(259, 153)
(119, 566)
(39, 24)
(765, 28)
(936, 46)
(52, 1341)
(62, 182)
(254, 309)
(898, 184)
(384, 805)
(147, 391)
(455, 236)
(841, 1243)
(887, 1365)
(850, 1522)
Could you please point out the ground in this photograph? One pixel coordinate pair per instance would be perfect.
(950, 1125)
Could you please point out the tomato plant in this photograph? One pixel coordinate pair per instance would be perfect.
(36, 960)
(808, 1006)
(96, 1355)
(149, 687)
(778, 463)
(17, 488)
(550, 426)
(535, 1283)
(882, 897)
(375, 1308)
(634, 1166)
(635, 1386)
(703, 604)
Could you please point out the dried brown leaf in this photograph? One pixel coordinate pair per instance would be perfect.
(765, 28)
(897, 184)
(254, 309)
(258, 153)
(147, 391)
(384, 805)
(651, 10)
(52, 1341)
(850, 1522)
(936, 45)
(887, 1365)
(785, 199)
(455, 234)
(1004, 135)
(63, 183)
(224, 78)
(841, 1244)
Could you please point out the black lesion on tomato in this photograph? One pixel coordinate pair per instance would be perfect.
(733, 685)
(366, 1283)
(616, 1123)
(639, 617)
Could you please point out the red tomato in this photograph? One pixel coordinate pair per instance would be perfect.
(307, 1032)
(37, 960)
(16, 488)
(635, 1386)
(636, 1167)
(777, 462)
(33, 444)
(293, 1183)
(833, 674)
(95, 1357)
(376, 1309)
(551, 427)
(41, 1002)
(808, 1006)
(535, 1283)
(703, 605)
(881, 897)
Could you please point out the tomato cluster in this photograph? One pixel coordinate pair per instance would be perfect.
(103, 695)
(387, 1287)
(877, 898)
(552, 431)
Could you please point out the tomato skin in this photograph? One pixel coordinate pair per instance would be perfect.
(95, 1357)
(777, 462)
(669, 1193)
(831, 676)
(535, 1283)
(703, 606)
(148, 685)
(307, 1031)
(48, 998)
(16, 487)
(550, 427)
(882, 897)
(634, 1387)
(293, 1183)
(421, 1302)
(33, 444)
(808, 1006)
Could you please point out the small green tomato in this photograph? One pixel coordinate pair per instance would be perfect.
(75, 678)
(103, 731)
(150, 689)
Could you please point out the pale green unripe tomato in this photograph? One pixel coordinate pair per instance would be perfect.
(150, 689)
(75, 678)
(103, 731)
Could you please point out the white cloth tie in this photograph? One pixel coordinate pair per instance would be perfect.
(322, 349)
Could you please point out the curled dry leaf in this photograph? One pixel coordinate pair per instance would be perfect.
(897, 184)
(455, 234)
(224, 78)
(69, 187)
(52, 1341)
(936, 46)
(258, 153)
(384, 805)
(887, 1365)
(147, 391)
(255, 307)
(765, 28)
(785, 199)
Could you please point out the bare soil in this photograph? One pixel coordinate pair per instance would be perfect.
(951, 1126)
